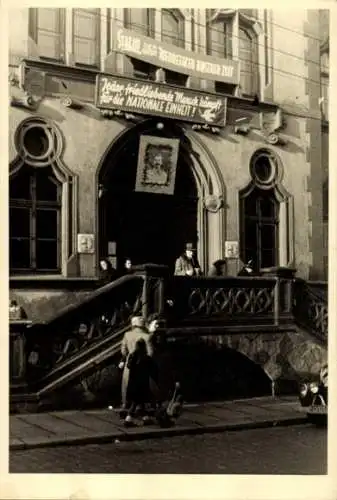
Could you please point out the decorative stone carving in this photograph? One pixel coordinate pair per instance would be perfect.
(275, 139)
(14, 80)
(26, 101)
(271, 123)
(206, 127)
(111, 114)
(69, 102)
(213, 203)
(242, 129)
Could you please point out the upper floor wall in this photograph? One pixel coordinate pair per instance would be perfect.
(278, 53)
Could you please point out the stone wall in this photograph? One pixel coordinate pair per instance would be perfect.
(42, 304)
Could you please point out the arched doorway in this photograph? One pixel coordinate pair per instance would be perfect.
(146, 227)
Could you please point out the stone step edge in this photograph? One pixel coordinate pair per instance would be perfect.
(159, 433)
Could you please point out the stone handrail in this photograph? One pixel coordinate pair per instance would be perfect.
(311, 307)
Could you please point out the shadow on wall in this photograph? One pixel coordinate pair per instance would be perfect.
(208, 372)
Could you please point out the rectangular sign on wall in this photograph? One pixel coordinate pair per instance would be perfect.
(171, 57)
(150, 98)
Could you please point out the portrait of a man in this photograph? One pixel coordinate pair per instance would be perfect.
(157, 165)
(157, 162)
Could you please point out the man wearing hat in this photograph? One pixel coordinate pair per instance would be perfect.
(187, 264)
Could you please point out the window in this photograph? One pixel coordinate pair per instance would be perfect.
(174, 78)
(233, 34)
(42, 202)
(220, 39)
(172, 27)
(143, 70)
(260, 228)
(35, 212)
(47, 29)
(324, 63)
(86, 37)
(266, 47)
(140, 20)
(266, 214)
(248, 66)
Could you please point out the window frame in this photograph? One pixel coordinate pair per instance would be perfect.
(238, 20)
(285, 250)
(260, 222)
(253, 61)
(97, 40)
(33, 31)
(325, 79)
(68, 194)
(149, 29)
(177, 15)
(223, 21)
(32, 206)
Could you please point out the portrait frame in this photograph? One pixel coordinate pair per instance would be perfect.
(157, 164)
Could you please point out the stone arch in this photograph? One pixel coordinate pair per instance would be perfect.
(208, 179)
(290, 356)
(226, 371)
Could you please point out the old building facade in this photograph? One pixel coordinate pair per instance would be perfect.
(240, 96)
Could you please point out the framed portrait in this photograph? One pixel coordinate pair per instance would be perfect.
(157, 164)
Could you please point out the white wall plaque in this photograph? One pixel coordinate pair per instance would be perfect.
(85, 243)
(231, 249)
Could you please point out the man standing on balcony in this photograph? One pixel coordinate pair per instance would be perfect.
(187, 264)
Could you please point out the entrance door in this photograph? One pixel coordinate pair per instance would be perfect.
(146, 227)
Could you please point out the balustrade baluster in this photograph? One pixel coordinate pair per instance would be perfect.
(277, 289)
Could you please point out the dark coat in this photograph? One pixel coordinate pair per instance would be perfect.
(142, 370)
(184, 264)
(127, 348)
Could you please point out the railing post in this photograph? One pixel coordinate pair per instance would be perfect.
(283, 292)
(145, 297)
(277, 302)
(17, 351)
(153, 298)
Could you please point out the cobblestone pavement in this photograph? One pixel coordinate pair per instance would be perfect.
(278, 450)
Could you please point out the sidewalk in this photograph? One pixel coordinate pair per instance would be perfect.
(94, 426)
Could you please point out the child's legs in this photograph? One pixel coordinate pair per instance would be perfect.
(132, 409)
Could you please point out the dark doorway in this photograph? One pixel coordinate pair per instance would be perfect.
(146, 227)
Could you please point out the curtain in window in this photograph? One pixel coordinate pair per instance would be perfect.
(86, 36)
(48, 32)
(172, 28)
